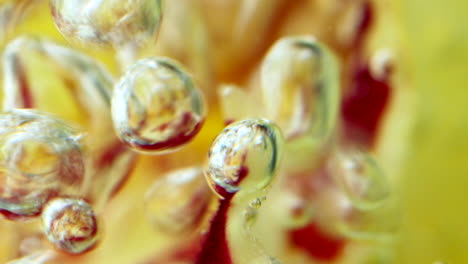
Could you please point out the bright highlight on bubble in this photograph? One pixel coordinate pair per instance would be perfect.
(300, 87)
(115, 22)
(244, 156)
(70, 224)
(156, 107)
(178, 201)
(40, 157)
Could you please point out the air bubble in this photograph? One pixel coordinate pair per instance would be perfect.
(40, 157)
(178, 201)
(116, 22)
(34, 68)
(156, 106)
(300, 87)
(361, 178)
(70, 224)
(244, 156)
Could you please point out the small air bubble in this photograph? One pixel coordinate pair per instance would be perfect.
(70, 224)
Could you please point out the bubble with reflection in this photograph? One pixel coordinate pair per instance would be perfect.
(244, 156)
(40, 157)
(361, 178)
(116, 22)
(35, 68)
(300, 87)
(178, 201)
(156, 107)
(70, 224)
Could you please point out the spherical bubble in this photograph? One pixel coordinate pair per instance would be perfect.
(300, 87)
(178, 201)
(40, 157)
(244, 157)
(114, 22)
(70, 224)
(156, 107)
(361, 178)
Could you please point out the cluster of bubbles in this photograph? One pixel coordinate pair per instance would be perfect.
(334, 185)
(40, 158)
(50, 169)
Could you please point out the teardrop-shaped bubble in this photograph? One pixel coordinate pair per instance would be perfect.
(40, 157)
(156, 107)
(244, 156)
(70, 224)
(179, 201)
(36, 68)
(300, 87)
(361, 178)
(115, 22)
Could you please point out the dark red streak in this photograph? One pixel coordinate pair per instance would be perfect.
(363, 108)
(316, 243)
(111, 154)
(364, 104)
(24, 88)
(215, 249)
(227, 122)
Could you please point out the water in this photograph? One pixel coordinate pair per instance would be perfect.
(115, 22)
(70, 224)
(300, 87)
(244, 156)
(40, 157)
(156, 107)
(360, 177)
